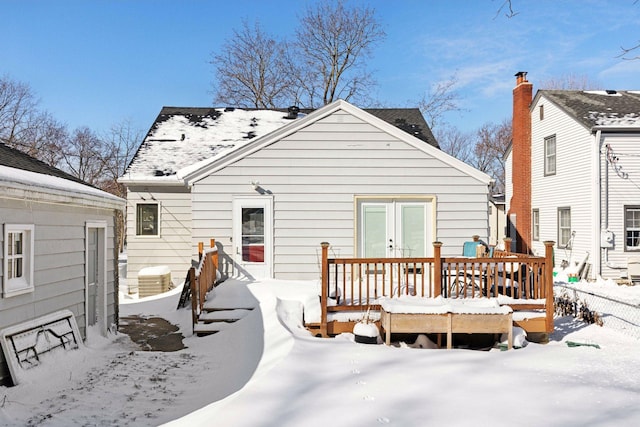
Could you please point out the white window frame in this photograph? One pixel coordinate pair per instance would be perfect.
(158, 222)
(550, 158)
(25, 283)
(535, 224)
(564, 227)
(634, 229)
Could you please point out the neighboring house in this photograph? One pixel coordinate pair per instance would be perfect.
(57, 246)
(270, 186)
(575, 168)
(497, 220)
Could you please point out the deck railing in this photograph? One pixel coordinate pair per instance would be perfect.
(356, 284)
(203, 278)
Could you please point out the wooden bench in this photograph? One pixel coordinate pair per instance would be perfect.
(445, 316)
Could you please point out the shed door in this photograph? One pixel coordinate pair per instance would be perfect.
(92, 276)
(253, 236)
(395, 228)
(96, 276)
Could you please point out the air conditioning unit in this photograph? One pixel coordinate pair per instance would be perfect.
(633, 270)
(153, 280)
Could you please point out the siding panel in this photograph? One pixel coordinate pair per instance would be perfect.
(314, 176)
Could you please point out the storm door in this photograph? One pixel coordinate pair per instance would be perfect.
(253, 236)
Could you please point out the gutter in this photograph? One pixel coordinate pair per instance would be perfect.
(35, 194)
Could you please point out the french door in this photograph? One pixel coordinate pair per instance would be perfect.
(395, 228)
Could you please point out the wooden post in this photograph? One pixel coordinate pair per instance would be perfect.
(324, 283)
(507, 244)
(200, 250)
(548, 283)
(437, 269)
(194, 297)
(214, 259)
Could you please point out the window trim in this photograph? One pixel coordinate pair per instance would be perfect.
(626, 247)
(25, 283)
(562, 245)
(535, 224)
(158, 220)
(547, 172)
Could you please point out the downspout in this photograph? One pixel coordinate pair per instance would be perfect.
(597, 206)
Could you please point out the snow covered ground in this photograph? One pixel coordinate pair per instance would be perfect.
(267, 371)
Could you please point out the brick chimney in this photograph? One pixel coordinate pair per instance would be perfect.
(520, 206)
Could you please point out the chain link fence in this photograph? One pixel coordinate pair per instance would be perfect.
(595, 308)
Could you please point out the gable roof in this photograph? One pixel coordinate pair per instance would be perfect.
(597, 108)
(183, 136)
(197, 171)
(17, 159)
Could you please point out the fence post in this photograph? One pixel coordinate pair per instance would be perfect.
(214, 259)
(437, 269)
(194, 297)
(324, 283)
(548, 283)
(200, 250)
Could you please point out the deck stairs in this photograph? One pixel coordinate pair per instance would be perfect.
(226, 304)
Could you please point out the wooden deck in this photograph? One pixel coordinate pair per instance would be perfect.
(351, 286)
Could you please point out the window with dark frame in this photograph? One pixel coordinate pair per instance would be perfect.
(550, 155)
(535, 224)
(147, 219)
(632, 228)
(564, 227)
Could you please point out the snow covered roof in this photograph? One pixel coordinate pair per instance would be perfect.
(22, 184)
(19, 160)
(603, 108)
(24, 177)
(182, 137)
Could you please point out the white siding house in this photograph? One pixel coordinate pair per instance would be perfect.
(58, 247)
(585, 155)
(338, 174)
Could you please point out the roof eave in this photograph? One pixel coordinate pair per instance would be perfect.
(130, 182)
(616, 129)
(19, 191)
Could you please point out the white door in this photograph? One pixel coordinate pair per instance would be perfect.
(96, 276)
(253, 236)
(396, 229)
(92, 276)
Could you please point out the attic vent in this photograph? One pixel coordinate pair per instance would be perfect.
(611, 92)
(292, 112)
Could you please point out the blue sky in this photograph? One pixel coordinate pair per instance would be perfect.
(97, 63)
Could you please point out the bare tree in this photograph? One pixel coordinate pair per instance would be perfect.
(252, 70)
(441, 98)
(119, 145)
(24, 127)
(85, 156)
(454, 142)
(489, 151)
(570, 81)
(17, 103)
(333, 42)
